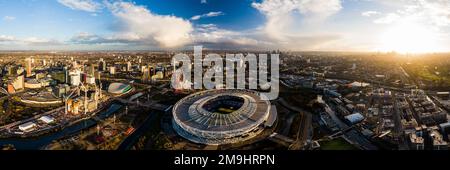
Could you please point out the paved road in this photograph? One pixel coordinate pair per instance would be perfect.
(352, 134)
(333, 116)
(305, 124)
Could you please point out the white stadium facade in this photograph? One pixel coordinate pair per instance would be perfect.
(217, 117)
(119, 88)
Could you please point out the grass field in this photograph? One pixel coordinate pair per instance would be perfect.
(337, 144)
(225, 110)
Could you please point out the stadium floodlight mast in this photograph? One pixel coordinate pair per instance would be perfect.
(258, 70)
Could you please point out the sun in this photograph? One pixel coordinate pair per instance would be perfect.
(409, 37)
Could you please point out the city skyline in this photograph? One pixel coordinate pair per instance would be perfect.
(224, 83)
(299, 25)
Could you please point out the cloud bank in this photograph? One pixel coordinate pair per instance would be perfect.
(82, 5)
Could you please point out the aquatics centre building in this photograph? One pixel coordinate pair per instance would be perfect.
(217, 117)
(119, 88)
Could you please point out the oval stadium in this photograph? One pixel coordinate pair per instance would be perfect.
(217, 117)
(119, 88)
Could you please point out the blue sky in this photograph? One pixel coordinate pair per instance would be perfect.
(320, 25)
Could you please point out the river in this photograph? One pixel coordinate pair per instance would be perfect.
(39, 142)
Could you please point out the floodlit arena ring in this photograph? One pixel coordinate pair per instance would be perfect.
(217, 117)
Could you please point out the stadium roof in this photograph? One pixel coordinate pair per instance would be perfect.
(191, 117)
(119, 88)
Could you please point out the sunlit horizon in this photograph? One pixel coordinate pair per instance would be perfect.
(406, 27)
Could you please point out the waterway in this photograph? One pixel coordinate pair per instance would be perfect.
(42, 141)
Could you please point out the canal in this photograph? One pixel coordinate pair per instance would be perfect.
(42, 141)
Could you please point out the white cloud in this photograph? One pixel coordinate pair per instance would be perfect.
(370, 13)
(389, 18)
(86, 38)
(83, 5)
(208, 35)
(40, 41)
(9, 18)
(432, 12)
(207, 15)
(307, 7)
(196, 17)
(138, 24)
(10, 40)
(284, 29)
(203, 2)
(5, 38)
(279, 13)
(123, 38)
(211, 34)
(437, 11)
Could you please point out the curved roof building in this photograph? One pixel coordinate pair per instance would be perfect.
(220, 116)
(33, 84)
(119, 88)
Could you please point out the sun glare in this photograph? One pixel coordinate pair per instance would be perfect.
(409, 37)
